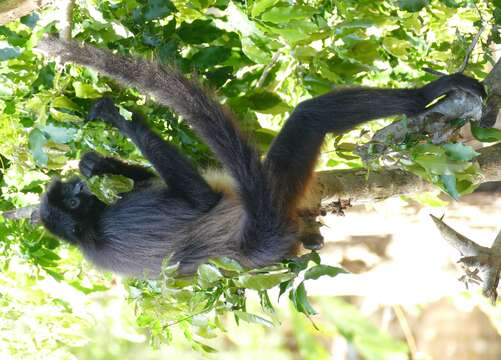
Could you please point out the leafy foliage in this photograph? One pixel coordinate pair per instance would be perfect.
(197, 303)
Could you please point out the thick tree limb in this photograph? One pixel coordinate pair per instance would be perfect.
(362, 186)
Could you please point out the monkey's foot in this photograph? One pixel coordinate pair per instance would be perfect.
(104, 109)
(92, 164)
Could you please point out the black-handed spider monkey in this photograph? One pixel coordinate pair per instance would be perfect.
(187, 217)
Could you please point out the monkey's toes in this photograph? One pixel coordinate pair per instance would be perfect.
(91, 164)
(104, 109)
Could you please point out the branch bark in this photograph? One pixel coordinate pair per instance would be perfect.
(14, 9)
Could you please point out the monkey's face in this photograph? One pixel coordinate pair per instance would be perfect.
(68, 208)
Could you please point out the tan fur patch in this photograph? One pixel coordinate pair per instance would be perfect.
(220, 181)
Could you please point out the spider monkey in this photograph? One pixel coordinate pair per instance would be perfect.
(187, 217)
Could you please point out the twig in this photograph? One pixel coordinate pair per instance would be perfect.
(470, 49)
(433, 72)
(29, 212)
(267, 69)
(406, 329)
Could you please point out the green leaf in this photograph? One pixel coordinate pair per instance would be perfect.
(45, 77)
(261, 5)
(108, 187)
(497, 15)
(460, 152)
(251, 318)
(440, 165)
(396, 47)
(265, 302)
(284, 14)
(36, 142)
(199, 32)
(262, 281)
(296, 30)
(207, 275)
(157, 9)
(299, 298)
(62, 102)
(299, 264)
(320, 270)
(8, 52)
(85, 91)
(30, 20)
(227, 264)
(485, 134)
(210, 56)
(255, 51)
(449, 182)
(262, 100)
(413, 5)
(60, 135)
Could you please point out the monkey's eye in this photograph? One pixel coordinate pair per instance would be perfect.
(77, 229)
(73, 203)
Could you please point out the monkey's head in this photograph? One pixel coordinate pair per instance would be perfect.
(69, 209)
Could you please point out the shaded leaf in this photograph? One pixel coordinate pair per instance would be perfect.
(157, 9)
(320, 270)
(413, 5)
(199, 31)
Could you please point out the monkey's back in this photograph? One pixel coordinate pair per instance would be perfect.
(144, 227)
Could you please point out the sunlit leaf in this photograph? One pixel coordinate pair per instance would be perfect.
(207, 275)
(299, 298)
(460, 152)
(37, 140)
(262, 281)
(85, 91)
(227, 264)
(251, 318)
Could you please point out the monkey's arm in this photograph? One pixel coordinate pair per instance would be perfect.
(172, 166)
(292, 156)
(93, 163)
(172, 89)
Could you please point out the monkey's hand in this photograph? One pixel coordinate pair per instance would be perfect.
(92, 164)
(106, 110)
(450, 83)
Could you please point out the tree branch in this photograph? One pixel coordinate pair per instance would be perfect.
(11, 10)
(482, 259)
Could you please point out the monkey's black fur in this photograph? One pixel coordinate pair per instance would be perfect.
(185, 216)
